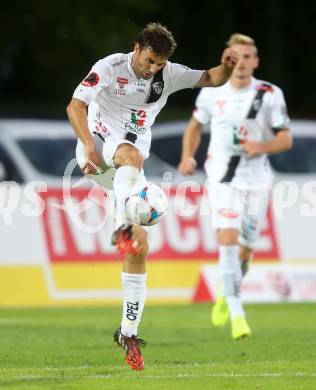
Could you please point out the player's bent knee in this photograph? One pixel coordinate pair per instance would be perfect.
(228, 236)
(128, 155)
(133, 158)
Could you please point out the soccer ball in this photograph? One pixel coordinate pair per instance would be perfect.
(147, 205)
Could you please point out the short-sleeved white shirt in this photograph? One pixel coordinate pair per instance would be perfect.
(117, 98)
(229, 112)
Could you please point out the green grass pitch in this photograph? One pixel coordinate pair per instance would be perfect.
(72, 348)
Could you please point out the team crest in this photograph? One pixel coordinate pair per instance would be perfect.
(157, 87)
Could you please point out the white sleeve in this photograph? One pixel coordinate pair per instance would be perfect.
(182, 77)
(202, 106)
(97, 79)
(278, 117)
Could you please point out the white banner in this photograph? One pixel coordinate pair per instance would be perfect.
(269, 283)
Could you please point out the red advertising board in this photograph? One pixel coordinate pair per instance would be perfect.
(185, 233)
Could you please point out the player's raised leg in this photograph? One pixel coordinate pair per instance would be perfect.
(129, 162)
(134, 296)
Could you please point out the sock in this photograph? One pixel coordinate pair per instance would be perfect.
(123, 184)
(230, 270)
(235, 307)
(134, 296)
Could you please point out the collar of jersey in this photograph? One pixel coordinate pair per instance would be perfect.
(242, 90)
(129, 65)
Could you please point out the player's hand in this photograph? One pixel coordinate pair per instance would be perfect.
(230, 58)
(187, 166)
(253, 148)
(92, 165)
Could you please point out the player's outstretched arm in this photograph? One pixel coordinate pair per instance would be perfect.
(219, 75)
(190, 143)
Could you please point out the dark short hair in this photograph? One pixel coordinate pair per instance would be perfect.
(158, 38)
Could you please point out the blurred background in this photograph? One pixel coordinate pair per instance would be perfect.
(47, 48)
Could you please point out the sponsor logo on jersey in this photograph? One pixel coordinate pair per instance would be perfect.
(140, 86)
(137, 122)
(240, 135)
(220, 104)
(91, 80)
(138, 117)
(121, 83)
(119, 63)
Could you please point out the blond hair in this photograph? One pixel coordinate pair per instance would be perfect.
(241, 39)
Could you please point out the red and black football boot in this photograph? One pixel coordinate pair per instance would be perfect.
(122, 239)
(132, 347)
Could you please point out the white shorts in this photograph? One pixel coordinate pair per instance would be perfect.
(239, 209)
(106, 150)
(106, 153)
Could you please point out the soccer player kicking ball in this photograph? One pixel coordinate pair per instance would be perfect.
(124, 93)
(248, 121)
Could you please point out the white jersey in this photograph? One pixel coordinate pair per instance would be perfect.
(123, 106)
(236, 116)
